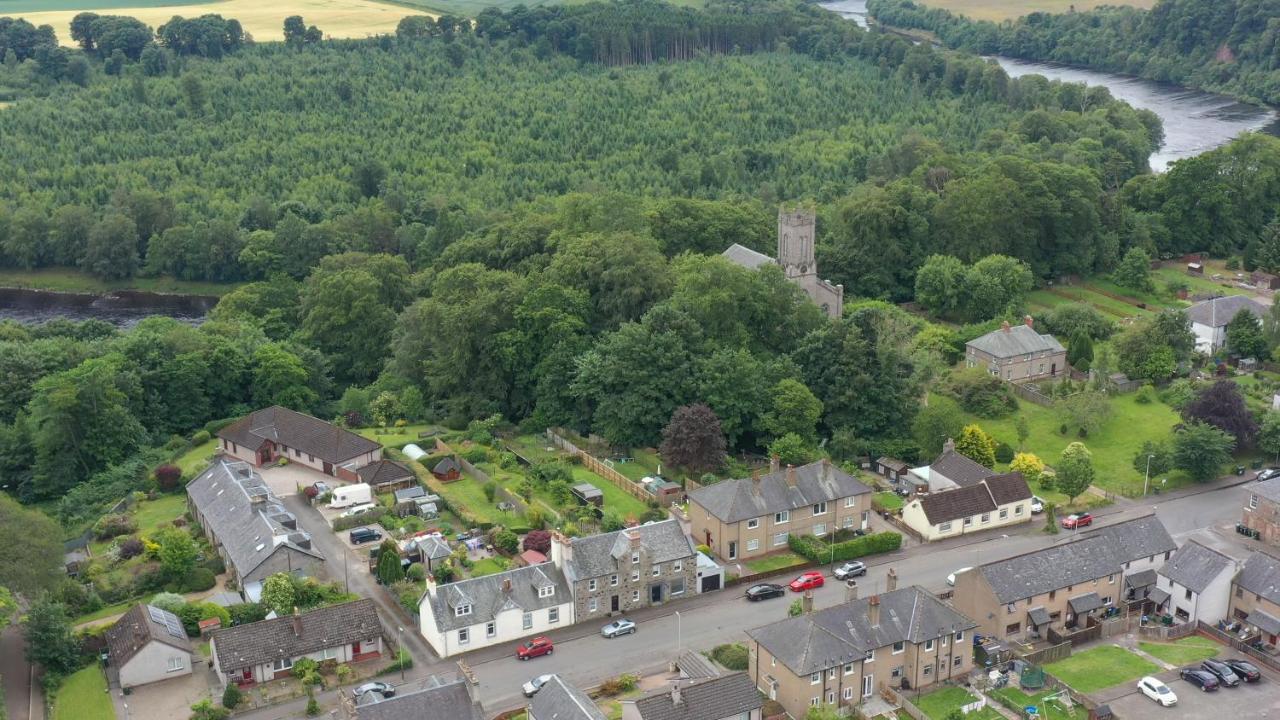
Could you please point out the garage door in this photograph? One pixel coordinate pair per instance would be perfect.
(710, 582)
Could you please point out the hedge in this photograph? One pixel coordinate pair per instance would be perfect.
(364, 518)
(815, 550)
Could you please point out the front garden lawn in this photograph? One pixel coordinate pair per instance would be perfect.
(1099, 668)
(771, 563)
(1021, 700)
(469, 493)
(398, 437)
(887, 500)
(939, 703)
(487, 566)
(83, 696)
(1182, 651)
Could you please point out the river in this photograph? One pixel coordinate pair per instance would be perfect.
(123, 308)
(1194, 121)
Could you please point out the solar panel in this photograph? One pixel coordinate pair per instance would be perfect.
(170, 621)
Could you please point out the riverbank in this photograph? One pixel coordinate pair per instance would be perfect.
(75, 281)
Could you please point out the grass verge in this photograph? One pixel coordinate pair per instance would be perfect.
(1183, 651)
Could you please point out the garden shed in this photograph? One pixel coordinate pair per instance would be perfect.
(588, 494)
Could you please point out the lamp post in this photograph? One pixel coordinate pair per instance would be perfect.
(1146, 480)
(679, 634)
(400, 650)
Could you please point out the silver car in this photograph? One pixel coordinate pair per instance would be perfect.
(532, 687)
(853, 568)
(618, 627)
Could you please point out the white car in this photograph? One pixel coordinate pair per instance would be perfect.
(532, 687)
(1157, 691)
(951, 579)
(1037, 504)
(357, 509)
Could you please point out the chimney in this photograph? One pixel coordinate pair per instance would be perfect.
(755, 482)
(561, 549)
(774, 461)
(297, 622)
(431, 586)
(633, 538)
(791, 475)
(850, 590)
(1031, 323)
(891, 581)
(806, 602)
(873, 611)
(675, 693)
(949, 446)
(506, 585)
(1005, 326)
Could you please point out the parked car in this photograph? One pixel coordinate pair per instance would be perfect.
(1244, 669)
(357, 509)
(536, 647)
(853, 568)
(1268, 474)
(1072, 522)
(1037, 504)
(951, 579)
(379, 687)
(532, 687)
(321, 487)
(1199, 678)
(1157, 691)
(618, 627)
(1222, 671)
(808, 581)
(764, 591)
(363, 535)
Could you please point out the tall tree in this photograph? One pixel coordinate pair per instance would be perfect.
(1134, 271)
(1200, 450)
(1075, 471)
(30, 549)
(1244, 336)
(693, 440)
(934, 424)
(1222, 406)
(51, 643)
(975, 444)
(1080, 351)
(111, 252)
(793, 409)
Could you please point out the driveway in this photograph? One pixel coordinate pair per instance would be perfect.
(167, 699)
(19, 701)
(1248, 702)
(285, 480)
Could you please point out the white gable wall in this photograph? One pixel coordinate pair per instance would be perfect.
(151, 664)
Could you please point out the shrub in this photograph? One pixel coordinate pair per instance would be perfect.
(231, 696)
(246, 613)
(113, 526)
(172, 602)
(616, 686)
(365, 518)
(444, 574)
(705, 550)
(982, 394)
(506, 542)
(1004, 453)
(168, 476)
(490, 491)
(475, 455)
(817, 551)
(344, 673)
(313, 707)
(198, 580)
(201, 437)
(416, 572)
(1145, 395)
(732, 656)
(206, 710)
(130, 547)
(403, 660)
(538, 540)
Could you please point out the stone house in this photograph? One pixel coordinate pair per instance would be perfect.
(248, 526)
(435, 698)
(558, 700)
(1017, 353)
(1060, 587)
(722, 697)
(147, 645)
(1209, 319)
(796, 257)
(263, 436)
(1262, 510)
(994, 502)
(494, 609)
(621, 571)
(1255, 597)
(838, 657)
(749, 517)
(1197, 580)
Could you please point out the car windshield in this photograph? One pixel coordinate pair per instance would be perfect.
(1163, 689)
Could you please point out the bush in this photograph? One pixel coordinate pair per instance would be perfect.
(172, 602)
(732, 656)
(616, 686)
(365, 518)
(1145, 395)
(231, 696)
(130, 547)
(313, 707)
(490, 491)
(982, 394)
(168, 476)
(113, 526)
(214, 564)
(475, 455)
(416, 572)
(705, 550)
(214, 426)
(539, 541)
(506, 542)
(246, 613)
(403, 661)
(206, 710)
(1004, 453)
(198, 580)
(816, 551)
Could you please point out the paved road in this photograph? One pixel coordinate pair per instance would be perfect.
(19, 701)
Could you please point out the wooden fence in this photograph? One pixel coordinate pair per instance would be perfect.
(1165, 633)
(1214, 633)
(1044, 656)
(593, 464)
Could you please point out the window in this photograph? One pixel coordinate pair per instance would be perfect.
(328, 654)
(870, 656)
(635, 596)
(831, 697)
(866, 516)
(831, 674)
(591, 605)
(850, 502)
(968, 521)
(779, 539)
(848, 693)
(1253, 501)
(753, 523)
(960, 636)
(944, 527)
(928, 669)
(753, 545)
(813, 701)
(1004, 514)
(986, 517)
(490, 629)
(527, 621)
(899, 647)
(1017, 509)
(464, 636)
(955, 661)
(847, 522)
(928, 645)
(462, 610)
(848, 668)
(897, 672)
(657, 570)
(635, 558)
(1111, 579)
(677, 586)
(943, 641)
(1187, 594)
(781, 517)
(635, 575)
(820, 529)
(546, 591)
(553, 615)
(591, 585)
(613, 580)
(820, 508)
(1011, 608)
(1239, 592)
(282, 664)
(867, 685)
(1013, 629)
(1053, 594)
(677, 566)
(815, 678)
(175, 664)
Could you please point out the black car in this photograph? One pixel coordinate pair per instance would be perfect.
(363, 535)
(764, 591)
(1222, 671)
(1203, 679)
(1244, 669)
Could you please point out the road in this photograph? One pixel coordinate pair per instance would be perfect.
(704, 621)
(20, 701)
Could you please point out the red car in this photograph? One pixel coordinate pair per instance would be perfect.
(808, 581)
(537, 647)
(1072, 522)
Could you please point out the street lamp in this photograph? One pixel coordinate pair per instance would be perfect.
(400, 650)
(679, 634)
(1147, 477)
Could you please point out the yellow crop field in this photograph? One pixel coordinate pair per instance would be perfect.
(264, 21)
(997, 10)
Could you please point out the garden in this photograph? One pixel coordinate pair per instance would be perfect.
(83, 696)
(1100, 668)
(1183, 651)
(941, 703)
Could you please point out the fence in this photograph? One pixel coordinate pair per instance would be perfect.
(1214, 633)
(500, 494)
(1165, 633)
(1076, 637)
(1031, 394)
(591, 463)
(1053, 653)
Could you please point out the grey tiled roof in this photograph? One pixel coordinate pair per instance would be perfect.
(384, 472)
(138, 627)
(270, 640)
(1017, 340)
(409, 493)
(1261, 576)
(746, 257)
(841, 634)
(1217, 312)
(1141, 537)
(447, 465)
(1140, 580)
(558, 700)
(1269, 489)
(960, 469)
(608, 553)
(440, 700)
(1264, 621)
(694, 665)
(1008, 488)
(955, 504)
(309, 434)
(433, 548)
(1039, 616)
(734, 500)
(1194, 566)
(488, 595)
(240, 511)
(1087, 602)
(727, 696)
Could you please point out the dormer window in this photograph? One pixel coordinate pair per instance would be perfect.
(546, 591)
(462, 610)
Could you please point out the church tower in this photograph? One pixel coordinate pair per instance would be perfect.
(795, 242)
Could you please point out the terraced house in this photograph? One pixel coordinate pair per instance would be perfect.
(749, 517)
(633, 568)
(494, 609)
(840, 656)
(1255, 597)
(998, 501)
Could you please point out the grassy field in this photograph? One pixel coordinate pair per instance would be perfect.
(195, 459)
(615, 499)
(66, 280)
(83, 696)
(1099, 668)
(1183, 651)
(997, 10)
(336, 18)
(398, 437)
(771, 563)
(939, 703)
(534, 448)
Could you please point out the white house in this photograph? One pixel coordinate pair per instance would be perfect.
(147, 645)
(1198, 581)
(997, 501)
(494, 609)
(1209, 319)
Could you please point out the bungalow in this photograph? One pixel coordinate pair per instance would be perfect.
(147, 645)
(950, 471)
(494, 609)
(995, 502)
(261, 651)
(558, 700)
(266, 435)
(1255, 597)
(722, 697)
(1198, 583)
(386, 475)
(248, 527)
(1209, 319)
(436, 698)
(447, 470)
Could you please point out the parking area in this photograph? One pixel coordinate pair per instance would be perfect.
(1253, 701)
(167, 699)
(344, 536)
(285, 480)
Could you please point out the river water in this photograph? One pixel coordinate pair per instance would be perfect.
(124, 308)
(1194, 121)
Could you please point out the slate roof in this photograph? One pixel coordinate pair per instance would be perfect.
(441, 700)
(955, 504)
(695, 665)
(1008, 488)
(841, 634)
(608, 553)
(309, 434)
(409, 493)
(487, 595)
(1140, 580)
(1269, 489)
(270, 640)
(1157, 596)
(1261, 576)
(715, 698)
(1217, 312)
(1087, 602)
(959, 469)
(558, 700)
(735, 500)
(432, 548)
(138, 627)
(1039, 616)
(447, 465)
(1194, 566)
(384, 472)
(1018, 340)
(746, 257)
(1141, 537)
(1264, 621)
(238, 508)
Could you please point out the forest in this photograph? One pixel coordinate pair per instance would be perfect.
(1231, 47)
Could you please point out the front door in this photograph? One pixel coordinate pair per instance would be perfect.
(733, 549)
(328, 468)
(867, 684)
(655, 594)
(613, 604)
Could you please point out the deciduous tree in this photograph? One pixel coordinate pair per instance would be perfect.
(1074, 471)
(693, 440)
(975, 444)
(1200, 450)
(1222, 406)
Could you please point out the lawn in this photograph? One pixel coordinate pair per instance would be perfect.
(1047, 712)
(1099, 668)
(398, 437)
(615, 499)
(68, 280)
(83, 696)
(197, 458)
(469, 493)
(939, 703)
(887, 500)
(534, 448)
(1183, 651)
(104, 612)
(1198, 284)
(150, 515)
(771, 563)
(487, 566)
(997, 10)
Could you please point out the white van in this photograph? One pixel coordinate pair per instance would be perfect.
(349, 495)
(357, 509)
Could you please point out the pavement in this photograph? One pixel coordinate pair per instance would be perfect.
(170, 699)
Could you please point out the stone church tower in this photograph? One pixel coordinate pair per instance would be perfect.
(796, 256)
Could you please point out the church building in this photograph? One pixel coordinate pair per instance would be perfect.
(796, 256)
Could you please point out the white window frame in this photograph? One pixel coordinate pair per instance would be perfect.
(462, 611)
(635, 576)
(491, 629)
(592, 605)
(868, 685)
(986, 518)
(848, 668)
(464, 636)
(591, 585)
(677, 583)
(847, 522)
(753, 545)
(553, 615)
(870, 656)
(175, 664)
(677, 566)
(635, 558)
(928, 645)
(959, 636)
(780, 539)
(1017, 509)
(546, 591)
(945, 527)
(526, 621)
(850, 501)
(899, 647)
(1004, 513)
(819, 529)
(1253, 501)
(815, 678)
(782, 516)
(657, 570)
(753, 523)
(613, 580)
(820, 508)
(635, 596)
(848, 693)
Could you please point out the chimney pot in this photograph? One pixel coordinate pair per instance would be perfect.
(506, 585)
(675, 693)
(791, 475)
(873, 610)
(297, 622)
(806, 602)
(1031, 323)
(1005, 326)
(949, 445)
(774, 463)
(850, 590)
(891, 581)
